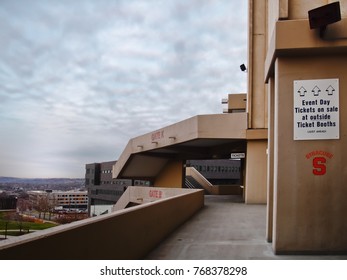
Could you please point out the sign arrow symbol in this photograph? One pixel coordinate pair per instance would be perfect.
(316, 90)
(302, 91)
(330, 90)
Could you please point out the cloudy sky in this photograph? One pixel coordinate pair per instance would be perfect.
(78, 79)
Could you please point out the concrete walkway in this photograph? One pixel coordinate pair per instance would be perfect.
(225, 229)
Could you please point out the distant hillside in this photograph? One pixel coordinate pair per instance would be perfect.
(41, 181)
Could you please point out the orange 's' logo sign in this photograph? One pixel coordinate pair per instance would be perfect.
(319, 159)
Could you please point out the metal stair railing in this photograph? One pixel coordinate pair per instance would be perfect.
(188, 184)
(200, 179)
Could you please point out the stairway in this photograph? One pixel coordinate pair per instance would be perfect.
(195, 180)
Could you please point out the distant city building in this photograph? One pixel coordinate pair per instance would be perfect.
(103, 191)
(8, 201)
(61, 199)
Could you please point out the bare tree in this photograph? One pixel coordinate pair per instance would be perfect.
(42, 205)
(23, 205)
(52, 203)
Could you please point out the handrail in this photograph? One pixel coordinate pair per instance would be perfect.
(189, 184)
(199, 177)
(191, 171)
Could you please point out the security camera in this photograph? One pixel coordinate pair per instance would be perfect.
(322, 16)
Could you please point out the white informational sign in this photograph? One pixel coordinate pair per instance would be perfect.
(237, 155)
(316, 109)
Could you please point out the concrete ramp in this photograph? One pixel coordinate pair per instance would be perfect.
(202, 136)
(121, 235)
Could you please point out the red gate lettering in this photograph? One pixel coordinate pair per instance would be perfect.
(155, 193)
(319, 167)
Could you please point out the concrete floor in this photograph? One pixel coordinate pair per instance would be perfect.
(225, 229)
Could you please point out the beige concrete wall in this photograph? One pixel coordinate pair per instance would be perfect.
(237, 102)
(305, 212)
(127, 234)
(256, 99)
(256, 172)
(257, 103)
(273, 8)
(298, 9)
(309, 210)
(228, 190)
(141, 195)
(172, 176)
(270, 161)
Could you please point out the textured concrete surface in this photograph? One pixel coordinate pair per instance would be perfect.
(225, 228)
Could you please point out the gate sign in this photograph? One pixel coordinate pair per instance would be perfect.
(237, 155)
(316, 109)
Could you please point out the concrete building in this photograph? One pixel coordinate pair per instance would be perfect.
(103, 190)
(160, 156)
(8, 201)
(305, 77)
(291, 127)
(61, 199)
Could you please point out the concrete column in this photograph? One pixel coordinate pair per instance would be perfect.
(309, 199)
(256, 174)
(270, 161)
(256, 98)
(172, 175)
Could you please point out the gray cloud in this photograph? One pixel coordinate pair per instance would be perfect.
(78, 79)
